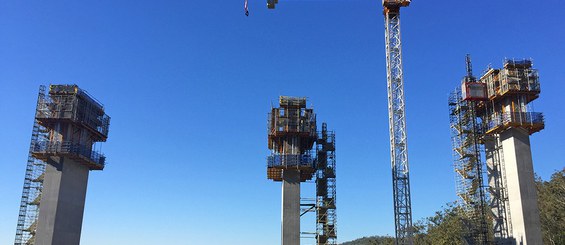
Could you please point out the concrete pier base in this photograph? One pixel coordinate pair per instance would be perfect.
(291, 207)
(62, 203)
(522, 193)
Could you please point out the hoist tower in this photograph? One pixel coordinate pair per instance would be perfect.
(465, 105)
(326, 220)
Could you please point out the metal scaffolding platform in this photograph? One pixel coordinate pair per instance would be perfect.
(466, 137)
(326, 218)
(33, 183)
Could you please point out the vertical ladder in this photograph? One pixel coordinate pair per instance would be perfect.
(33, 184)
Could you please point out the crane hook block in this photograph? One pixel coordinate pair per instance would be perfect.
(271, 4)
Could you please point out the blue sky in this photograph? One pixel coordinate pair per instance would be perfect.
(188, 85)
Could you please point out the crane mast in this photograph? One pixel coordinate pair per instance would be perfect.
(397, 122)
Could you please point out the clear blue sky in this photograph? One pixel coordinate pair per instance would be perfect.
(188, 85)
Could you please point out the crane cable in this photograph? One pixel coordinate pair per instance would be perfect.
(246, 8)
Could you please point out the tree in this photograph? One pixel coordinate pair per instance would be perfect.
(445, 227)
(551, 201)
(374, 240)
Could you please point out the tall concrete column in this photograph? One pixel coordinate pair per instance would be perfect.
(291, 207)
(522, 194)
(62, 203)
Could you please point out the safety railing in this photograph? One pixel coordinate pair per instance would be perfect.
(292, 101)
(94, 119)
(519, 79)
(69, 148)
(290, 160)
(509, 83)
(100, 123)
(304, 124)
(521, 118)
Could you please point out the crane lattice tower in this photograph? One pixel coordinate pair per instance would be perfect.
(397, 122)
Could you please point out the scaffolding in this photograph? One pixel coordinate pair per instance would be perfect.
(502, 225)
(467, 137)
(33, 184)
(326, 218)
(517, 77)
(69, 103)
(510, 91)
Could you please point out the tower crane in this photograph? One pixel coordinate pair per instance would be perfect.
(397, 119)
(397, 122)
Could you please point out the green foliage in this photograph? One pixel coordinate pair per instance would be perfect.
(374, 240)
(446, 226)
(551, 201)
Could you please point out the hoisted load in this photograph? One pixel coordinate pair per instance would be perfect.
(246, 8)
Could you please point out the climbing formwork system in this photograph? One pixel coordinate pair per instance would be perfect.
(509, 120)
(466, 137)
(292, 134)
(68, 123)
(326, 218)
(291, 137)
(510, 91)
